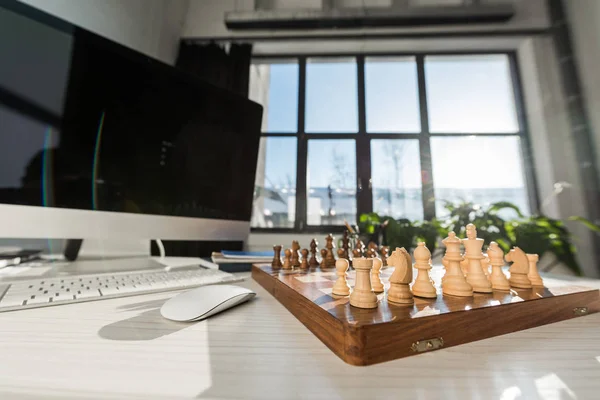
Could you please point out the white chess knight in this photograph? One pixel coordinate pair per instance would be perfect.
(423, 286)
(475, 276)
(519, 268)
(399, 291)
(453, 282)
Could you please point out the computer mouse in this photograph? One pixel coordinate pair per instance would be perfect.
(204, 301)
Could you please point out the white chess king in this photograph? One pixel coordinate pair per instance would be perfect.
(475, 276)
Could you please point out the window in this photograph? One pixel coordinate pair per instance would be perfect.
(397, 135)
(331, 96)
(331, 181)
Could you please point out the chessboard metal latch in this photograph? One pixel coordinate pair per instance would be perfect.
(580, 311)
(427, 345)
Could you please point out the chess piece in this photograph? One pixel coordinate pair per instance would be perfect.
(371, 250)
(362, 296)
(485, 266)
(323, 255)
(423, 286)
(276, 263)
(359, 248)
(287, 259)
(475, 276)
(329, 256)
(464, 266)
(376, 283)
(453, 282)
(383, 253)
(313, 262)
(346, 245)
(399, 291)
(304, 263)
(497, 277)
(519, 268)
(534, 275)
(340, 287)
(295, 260)
(356, 253)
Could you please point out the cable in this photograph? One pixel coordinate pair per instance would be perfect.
(161, 248)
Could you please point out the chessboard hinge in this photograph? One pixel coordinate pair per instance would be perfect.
(427, 345)
(580, 311)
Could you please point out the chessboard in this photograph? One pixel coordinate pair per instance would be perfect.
(368, 336)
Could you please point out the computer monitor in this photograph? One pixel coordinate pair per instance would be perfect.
(99, 141)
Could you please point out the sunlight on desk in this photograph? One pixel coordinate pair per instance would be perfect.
(551, 387)
(511, 393)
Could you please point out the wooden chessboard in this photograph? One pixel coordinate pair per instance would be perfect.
(370, 336)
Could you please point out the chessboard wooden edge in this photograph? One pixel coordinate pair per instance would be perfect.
(370, 344)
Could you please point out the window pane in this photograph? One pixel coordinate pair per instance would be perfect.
(482, 170)
(331, 96)
(392, 96)
(275, 186)
(275, 86)
(470, 94)
(331, 179)
(396, 177)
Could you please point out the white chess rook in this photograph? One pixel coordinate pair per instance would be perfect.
(362, 296)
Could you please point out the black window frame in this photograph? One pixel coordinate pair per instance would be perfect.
(364, 194)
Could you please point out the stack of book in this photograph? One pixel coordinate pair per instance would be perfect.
(239, 261)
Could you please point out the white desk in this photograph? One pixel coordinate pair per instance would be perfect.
(123, 349)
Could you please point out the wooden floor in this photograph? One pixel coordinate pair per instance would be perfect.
(123, 348)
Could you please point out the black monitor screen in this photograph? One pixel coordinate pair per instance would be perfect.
(88, 124)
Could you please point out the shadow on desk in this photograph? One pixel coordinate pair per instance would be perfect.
(259, 350)
(148, 325)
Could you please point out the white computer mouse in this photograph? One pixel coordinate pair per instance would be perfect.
(204, 301)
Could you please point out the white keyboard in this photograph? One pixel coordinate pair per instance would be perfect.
(74, 289)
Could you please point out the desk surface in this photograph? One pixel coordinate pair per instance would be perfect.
(123, 348)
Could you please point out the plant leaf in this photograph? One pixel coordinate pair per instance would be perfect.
(589, 224)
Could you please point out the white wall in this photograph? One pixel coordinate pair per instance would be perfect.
(152, 27)
(554, 156)
(584, 22)
(205, 19)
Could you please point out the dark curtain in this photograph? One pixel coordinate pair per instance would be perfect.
(211, 62)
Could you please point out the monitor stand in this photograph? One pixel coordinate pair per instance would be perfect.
(72, 248)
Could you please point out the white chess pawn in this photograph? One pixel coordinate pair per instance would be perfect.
(399, 291)
(519, 268)
(497, 278)
(376, 283)
(341, 288)
(453, 282)
(423, 286)
(533, 274)
(475, 276)
(362, 296)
